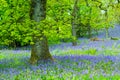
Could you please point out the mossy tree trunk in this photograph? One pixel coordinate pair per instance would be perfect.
(40, 49)
(74, 23)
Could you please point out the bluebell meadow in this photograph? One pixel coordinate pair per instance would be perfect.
(14, 66)
(98, 60)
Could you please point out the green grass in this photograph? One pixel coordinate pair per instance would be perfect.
(91, 51)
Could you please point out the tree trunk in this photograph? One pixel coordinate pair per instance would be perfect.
(107, 32)
(89, 31)
(74, 34)
(88, 23)
(74, 24)
(40, 49)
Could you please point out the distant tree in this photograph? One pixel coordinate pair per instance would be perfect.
(109, 13)
(117, 10)
(98, 14)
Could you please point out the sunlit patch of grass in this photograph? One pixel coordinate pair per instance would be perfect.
(111, 52)
(90, 51)
(1, 56)
(70, 52)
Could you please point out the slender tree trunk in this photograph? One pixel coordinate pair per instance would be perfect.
(88, 24)
(106, 29)
(40, 49)
(74, 24)
(74, 34)
(89, 31)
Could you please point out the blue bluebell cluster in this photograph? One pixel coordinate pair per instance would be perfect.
(63, 66)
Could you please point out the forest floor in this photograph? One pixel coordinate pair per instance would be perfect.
(71, 62)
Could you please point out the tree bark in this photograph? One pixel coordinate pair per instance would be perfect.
(74, 23)
(40, 49)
